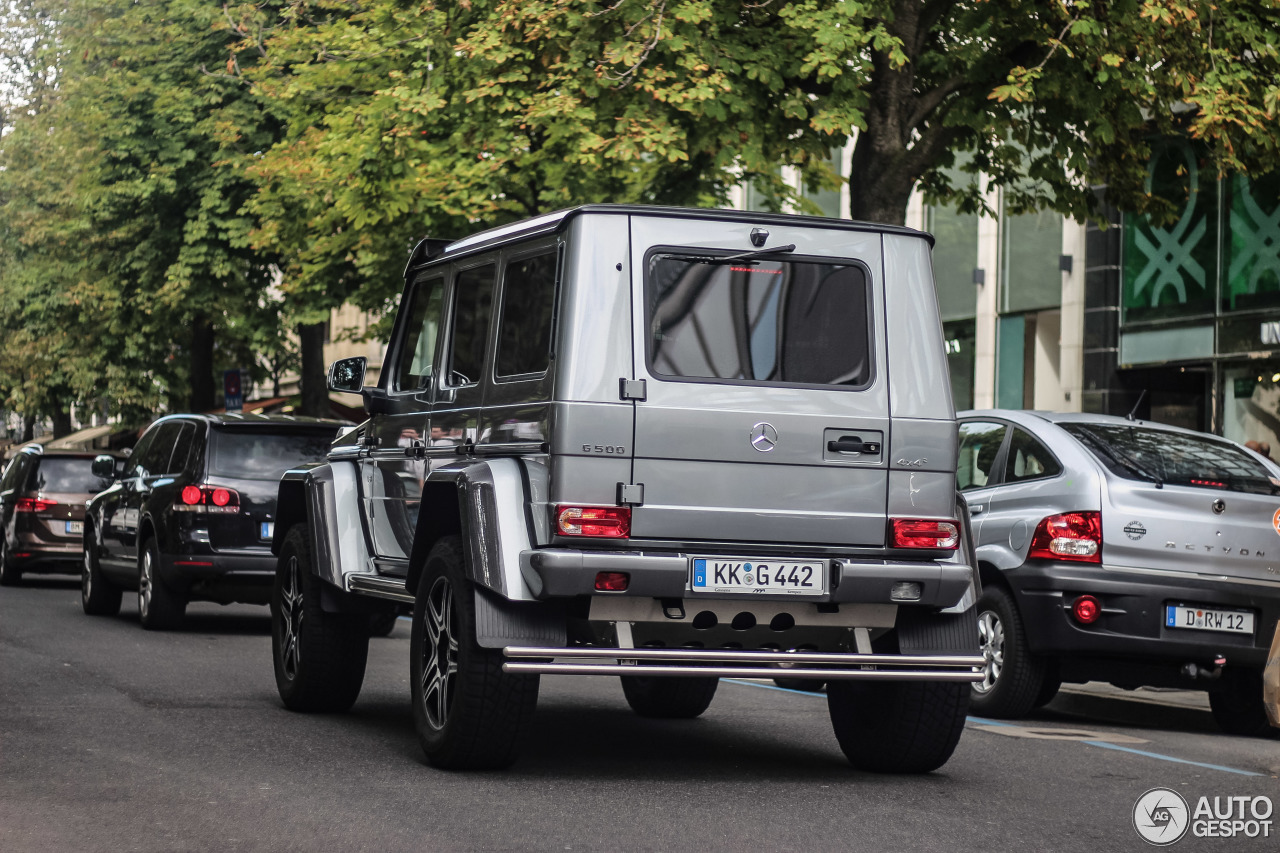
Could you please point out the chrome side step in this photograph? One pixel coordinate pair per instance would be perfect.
(731, 663)
(380, 586)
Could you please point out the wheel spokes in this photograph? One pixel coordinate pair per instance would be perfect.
(439, 654)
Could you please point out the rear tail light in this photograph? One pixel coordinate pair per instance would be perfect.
(33, 505)
(612, 581)
(606, 522)
(1071, 536)
(927, 533)
(207, 499)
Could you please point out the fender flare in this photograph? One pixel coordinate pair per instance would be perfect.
(325, 496)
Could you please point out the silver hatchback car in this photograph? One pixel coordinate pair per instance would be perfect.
(1121, 551)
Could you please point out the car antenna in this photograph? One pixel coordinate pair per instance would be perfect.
(1134, 410)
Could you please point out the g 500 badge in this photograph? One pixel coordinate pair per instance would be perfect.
(615, 449)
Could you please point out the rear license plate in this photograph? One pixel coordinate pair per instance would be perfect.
(1204, 619)
(268, 529)
(775, 577)
(75, 527)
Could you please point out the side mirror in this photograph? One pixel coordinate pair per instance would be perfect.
(347, 374)
(104, 467)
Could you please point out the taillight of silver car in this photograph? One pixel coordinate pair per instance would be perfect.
(1070, 536)
(212, 499)
(931, 533)
(603, 522)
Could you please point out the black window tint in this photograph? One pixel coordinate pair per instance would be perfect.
(528, 299)
(68, 474)
(154, 459)
(472, 302)
(979, 445)
(1154, 455)
(250, 454)
(414, 367)
(770, 320)
(1028, 459)
(139, 451)
(182, 449)
(11, 472)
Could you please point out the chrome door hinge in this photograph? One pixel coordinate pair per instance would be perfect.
(630, 494)
(632, 389)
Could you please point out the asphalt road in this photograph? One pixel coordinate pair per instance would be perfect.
(113, 738)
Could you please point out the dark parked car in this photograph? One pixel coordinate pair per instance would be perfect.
(192, 513)
(42, 498)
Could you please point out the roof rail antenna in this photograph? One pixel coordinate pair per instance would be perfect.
(1134, 410)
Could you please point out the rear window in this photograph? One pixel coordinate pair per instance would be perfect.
(70, 475)
(1141, 453)
(248, 454)
(765, 320)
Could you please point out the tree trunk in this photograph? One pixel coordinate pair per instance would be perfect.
(315, 390)
(62, 422)
(28, 427)
(204, 391)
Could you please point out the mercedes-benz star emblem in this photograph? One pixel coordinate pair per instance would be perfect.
(764, 437)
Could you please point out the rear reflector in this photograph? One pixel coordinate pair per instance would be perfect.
(207, 499)
(1075, 536)
(192, 563)
(612, 581)
(1086, 609)
(33, 505)
(605, 522)
(924, 533)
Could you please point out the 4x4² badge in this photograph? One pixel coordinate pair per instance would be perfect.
(764, 437)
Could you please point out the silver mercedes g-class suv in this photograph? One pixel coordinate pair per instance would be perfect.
(665, 444)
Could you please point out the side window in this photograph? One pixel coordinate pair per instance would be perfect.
(418, 351)
(528, 302)
(182, 449)
(979, 445)
(154, 459)
(140, 450)
(1028, 459)
(16, 472)
(472, 303)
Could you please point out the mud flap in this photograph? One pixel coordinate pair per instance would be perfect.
(502, 623)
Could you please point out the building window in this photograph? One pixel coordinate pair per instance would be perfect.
(1251, 246)
(1031, 244)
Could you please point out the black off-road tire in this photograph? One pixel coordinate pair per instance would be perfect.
(897, 727)
(383, 624)
(1236, 703)
(1015, 677)
(160, 606)
(674, 698)
(803, 684)
(10, 575)
(98, 596)
(319, 657)
(468, 713)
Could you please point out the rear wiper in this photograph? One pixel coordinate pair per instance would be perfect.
(740, 258)
(1122, 458)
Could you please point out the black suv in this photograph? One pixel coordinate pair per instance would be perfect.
(192, 513)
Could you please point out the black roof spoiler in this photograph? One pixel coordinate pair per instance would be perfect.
(427, 248)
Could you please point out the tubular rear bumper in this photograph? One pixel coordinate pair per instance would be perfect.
(1133, 614)
(726, 663)
(556, 572)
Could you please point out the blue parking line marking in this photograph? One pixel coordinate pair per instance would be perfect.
(1115, 746)
(985, 722)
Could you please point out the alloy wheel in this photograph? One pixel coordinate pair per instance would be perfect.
(292, 613)
(146, 578)
(991, 642)
(439, 654)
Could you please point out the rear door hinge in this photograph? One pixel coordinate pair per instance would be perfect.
(630, 494)
(632, 389)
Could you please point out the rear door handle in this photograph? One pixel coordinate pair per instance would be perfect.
(852, 444)
(976, 509)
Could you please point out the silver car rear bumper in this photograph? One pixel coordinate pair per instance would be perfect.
(731, 663)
